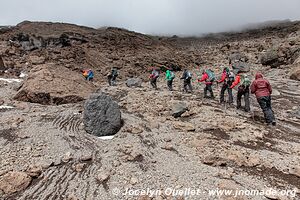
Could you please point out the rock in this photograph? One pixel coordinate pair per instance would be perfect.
(184, 126)
(169, 147)
(45, 85)
(297, 113)
(2, 66)
(237, 57)
(179, 108)
(133, 180)
(86, 157)
(134, 129)
(214, 161)
(34, 171)
(295, 171)
(103, 177)
(275, 93)
(271, 58)
(79, 167)
(102, 116)
(14, 182)
(67, 157)
(253, 161)
(71, 197)
(134, 82)
(36, 60)
(46, 164)
(295, 74)
(241, 67)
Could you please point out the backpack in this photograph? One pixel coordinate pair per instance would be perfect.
(188, 75)
(211, 75)
(172, 75)
(245, 81)
(155, 74)
(230, 76)
(114, 73)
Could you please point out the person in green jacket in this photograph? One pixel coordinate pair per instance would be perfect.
(170, 75)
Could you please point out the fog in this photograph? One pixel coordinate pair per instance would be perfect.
(164, 17)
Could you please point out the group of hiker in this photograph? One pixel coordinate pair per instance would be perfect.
(260, 87)
(229, 80)
(88, 74)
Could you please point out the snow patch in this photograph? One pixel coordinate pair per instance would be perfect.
(6, 107)
(106, 137)
(22, 75)
(11, 80)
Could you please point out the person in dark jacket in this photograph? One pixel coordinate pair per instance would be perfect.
(187, 77)
(112, 76)
(263, 90)
(208, 85)
(227, 80)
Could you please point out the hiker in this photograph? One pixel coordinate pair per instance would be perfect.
(88, 74)
(112, 76)
(263, 90)
(187, 77)
(208, 77)
(153, 78)
(170, 75)
(243, 90)
(227, 80)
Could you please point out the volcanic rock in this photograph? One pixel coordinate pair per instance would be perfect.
(51, 84)
(102, 116)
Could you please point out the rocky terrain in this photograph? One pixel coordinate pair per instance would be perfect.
(46, 152)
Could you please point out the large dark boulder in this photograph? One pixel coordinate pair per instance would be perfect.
(271, 58)
(102, 116)
(237, 57)
(134, 82)
(241, 67)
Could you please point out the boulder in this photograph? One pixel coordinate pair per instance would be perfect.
(52, 84)
(295, 75)
(36, 60)
(270, 57)
(237, 57)
(241, 66)
(102, 116)
(134, 82)
(13, 182)
(184, 126)
(179, 108)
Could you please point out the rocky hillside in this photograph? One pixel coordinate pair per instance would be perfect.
(46, 152)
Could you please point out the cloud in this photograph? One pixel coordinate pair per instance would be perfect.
(182, 17)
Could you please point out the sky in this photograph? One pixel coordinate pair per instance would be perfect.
(160, 17)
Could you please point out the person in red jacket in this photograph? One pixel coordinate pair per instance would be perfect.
(243, 90)
(208, 84)
(263, 90)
